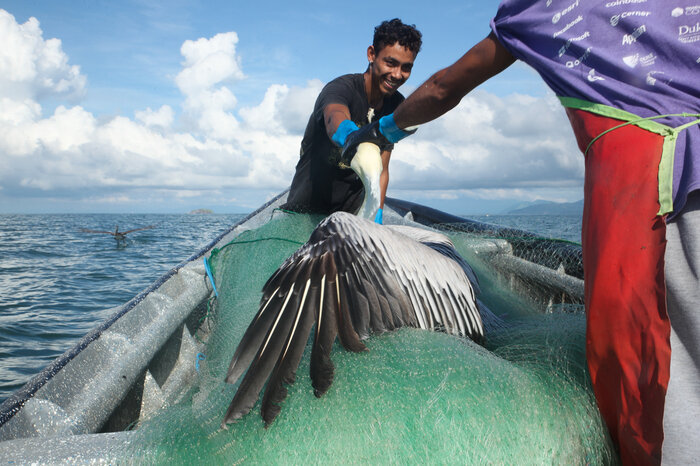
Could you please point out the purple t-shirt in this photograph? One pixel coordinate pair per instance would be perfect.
(642, 56)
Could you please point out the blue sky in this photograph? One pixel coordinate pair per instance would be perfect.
(108, 107)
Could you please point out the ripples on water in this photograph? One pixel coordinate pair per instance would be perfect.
(566, 227)
(57, 283)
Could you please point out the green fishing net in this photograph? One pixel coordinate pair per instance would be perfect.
(416, 397)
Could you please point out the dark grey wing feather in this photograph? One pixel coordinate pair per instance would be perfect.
(347, 334)
(351, 279)
(270, 305)
(321, 369)
(268, 353)
(288, 361)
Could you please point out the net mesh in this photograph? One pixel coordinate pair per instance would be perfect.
(415, 397)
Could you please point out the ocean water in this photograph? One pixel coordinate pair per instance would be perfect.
(57, 283)
(567, 227)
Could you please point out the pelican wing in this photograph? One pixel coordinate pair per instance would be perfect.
(441, 244)
(352, 278)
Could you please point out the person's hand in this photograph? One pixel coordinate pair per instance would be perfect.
(381, 132)
(368, 133)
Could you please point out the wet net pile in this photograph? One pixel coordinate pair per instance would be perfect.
(415, 397)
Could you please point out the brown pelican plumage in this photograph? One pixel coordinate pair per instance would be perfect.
(352, 278)
(119, 236)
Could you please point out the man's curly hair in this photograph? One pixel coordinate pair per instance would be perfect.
(392, 31)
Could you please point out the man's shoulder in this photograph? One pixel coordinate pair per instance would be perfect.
(349, 80)
(342, 89)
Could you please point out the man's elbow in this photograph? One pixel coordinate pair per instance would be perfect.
(479, 64)
(445, 93)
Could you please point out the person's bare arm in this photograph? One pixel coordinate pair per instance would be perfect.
(445, 89)
(333, 115)
(384, 177)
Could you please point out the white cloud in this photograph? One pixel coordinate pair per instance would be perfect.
(209, 62)
(163, 117)
(294, 110)
(209, 65)
(491, 142)
(73, 150)
(32, 67)
(66, 130)
(487, 142)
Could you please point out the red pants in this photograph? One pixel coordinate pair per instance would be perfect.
(627, 334)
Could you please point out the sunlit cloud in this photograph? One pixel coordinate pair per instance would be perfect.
(163, 117)
(209, 146)
(31, 67)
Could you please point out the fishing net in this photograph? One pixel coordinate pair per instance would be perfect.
(544, 273)
(415, 397)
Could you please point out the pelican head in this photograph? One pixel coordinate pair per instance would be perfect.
(367, 163)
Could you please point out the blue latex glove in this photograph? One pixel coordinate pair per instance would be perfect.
(387, 126)
(381, 132)
(379, 218)
(341, 133)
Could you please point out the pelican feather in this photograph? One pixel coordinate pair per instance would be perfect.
(353, 278)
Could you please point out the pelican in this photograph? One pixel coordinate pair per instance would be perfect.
(352, 278)
(119, 236)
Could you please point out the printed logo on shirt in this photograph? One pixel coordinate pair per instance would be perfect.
(567, 27)
(623, 2)
(549, 2)
(629, 39)
(657, 76)
(647, 60)
(557, 16)
(592, 77)
(689, 34)
(633, 60)
(615, 19)
(568, 43)
(578, 61)
(689, 11)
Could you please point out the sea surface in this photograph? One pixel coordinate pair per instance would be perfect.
(57, 282)
(567, 227)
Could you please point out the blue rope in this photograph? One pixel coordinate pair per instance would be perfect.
(200, 357)
(211, 278)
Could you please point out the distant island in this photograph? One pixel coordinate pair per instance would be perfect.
(549, 208)
(201, 212)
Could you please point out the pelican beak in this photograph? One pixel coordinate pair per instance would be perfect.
(367, 163)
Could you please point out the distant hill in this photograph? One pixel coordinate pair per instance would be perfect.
(201, 211)
(549, 208)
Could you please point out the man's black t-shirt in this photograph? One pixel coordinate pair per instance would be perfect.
(319, 185)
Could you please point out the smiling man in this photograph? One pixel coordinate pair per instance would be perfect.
(320, 185)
